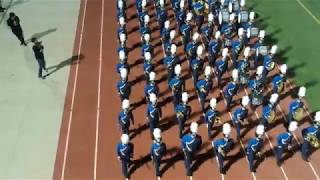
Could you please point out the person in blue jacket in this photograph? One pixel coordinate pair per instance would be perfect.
(240, 114)
(285, 141)
(183, 112)
(158, 150)
(279, 80)
(211, 117)
(221, 66)
(223, 145)
(231, 89)
(254, 147)
(269, 111)
(125, 150)
(311, 137)
(151, 86)
(203, 87)
(214, 48)
(296, 107)
(197, 65)
(123, 86)
(154, 113)
(190, 143)
(177, 85)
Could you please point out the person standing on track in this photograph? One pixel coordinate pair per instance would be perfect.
(123, 86)
(185, 30)
(268, 63)
(177, 85)
(190, 143)
(221, 66)
(240, 114)
(254, 147)
(244, 68)
(158, 150)
(125, 117)
(211, 116)
(191, 47)
(122, 64)
(279, 80)
(285, 142)
(213, 49)
(204, 86)
(269, 111)
(236, 47)
(38, 53)
(148, 67)
(222, 146)
(125, 151)
(154, 113)
(311, 137)
(231, 89)
(197, 65)
(183, 111)
(171, 61)
(296, 107)
(207, 30)
(14, 23)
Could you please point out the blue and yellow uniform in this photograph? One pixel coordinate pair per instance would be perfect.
(267, 64)
(124, 119)
(278, 83)
(256, 86)
(185, 30)
(158, 150)
(284, 140)
(295, 108)
(177, 86)
(207, 31)
(124, 89)
(125, 153)
(254, 146)
(154, 114)
(268, 114)
(308, 132)
(222, 147)
(209, 119)
(204, 86)
(191, 50)
(238, 117)
(183, 112)
(190, 143)
(162, 17)
(230, 90)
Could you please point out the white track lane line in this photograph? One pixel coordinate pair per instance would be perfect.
(74, 91)
(99, 94)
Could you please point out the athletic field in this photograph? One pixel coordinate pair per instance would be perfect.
(65, 127)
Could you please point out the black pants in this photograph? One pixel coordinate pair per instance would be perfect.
(181, 122)
(156, 162)
(42, 66)
(188, 162)
(125, 167)
(19, 33)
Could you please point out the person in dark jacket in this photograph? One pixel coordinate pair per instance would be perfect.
(14, 23)
(38, 53)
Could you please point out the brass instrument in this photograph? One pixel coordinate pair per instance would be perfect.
(281, 87)
(313, 140)
(180, 115)
(272, 117)
(298, 115)
(217, 119)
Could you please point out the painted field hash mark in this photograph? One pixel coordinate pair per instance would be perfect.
(308, 11)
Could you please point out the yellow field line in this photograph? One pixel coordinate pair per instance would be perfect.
(308, 11)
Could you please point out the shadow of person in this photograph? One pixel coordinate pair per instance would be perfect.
(170, 162)
(143, 160)
(41, 34)
(70, 61)
(233, 159)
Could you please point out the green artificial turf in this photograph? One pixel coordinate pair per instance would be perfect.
(297, 35)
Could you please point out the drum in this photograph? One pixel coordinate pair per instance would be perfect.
(225, 15)
(298, 115)
(257, 98)
(254, 32)
(263, 50)
(244, 16)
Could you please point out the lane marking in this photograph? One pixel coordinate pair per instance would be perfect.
(73, 92)
(308, 11)
(99, 94)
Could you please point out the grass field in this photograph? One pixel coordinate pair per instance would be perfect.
(294, 25)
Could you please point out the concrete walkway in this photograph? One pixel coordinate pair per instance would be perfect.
(31, 108)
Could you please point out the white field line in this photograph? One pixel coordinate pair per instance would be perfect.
(99, 93)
